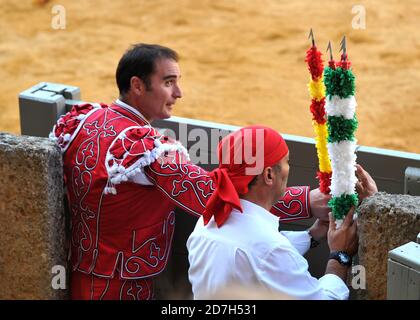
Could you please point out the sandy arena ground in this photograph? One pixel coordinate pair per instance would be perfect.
(242, 60)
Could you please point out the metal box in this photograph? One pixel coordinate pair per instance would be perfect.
(404, 272)
(41, 106)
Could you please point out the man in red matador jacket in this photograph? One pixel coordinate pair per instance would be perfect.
(124, 180)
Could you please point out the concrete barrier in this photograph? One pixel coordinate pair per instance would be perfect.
(32, 222)
(385, 222)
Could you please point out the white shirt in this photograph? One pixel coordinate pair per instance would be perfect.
(249, 250)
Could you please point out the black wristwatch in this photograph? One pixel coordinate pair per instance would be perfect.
(341, 257)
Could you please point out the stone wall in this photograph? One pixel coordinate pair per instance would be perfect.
(32, 220)
(385, 221)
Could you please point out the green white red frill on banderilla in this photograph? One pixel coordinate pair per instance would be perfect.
(340, 108)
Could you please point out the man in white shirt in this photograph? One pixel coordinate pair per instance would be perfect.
(237, 239)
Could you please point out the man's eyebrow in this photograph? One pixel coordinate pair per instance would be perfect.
(171, 76)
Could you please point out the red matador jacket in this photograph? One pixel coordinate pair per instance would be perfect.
(124, 180)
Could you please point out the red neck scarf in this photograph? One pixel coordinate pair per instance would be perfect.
(243, 155)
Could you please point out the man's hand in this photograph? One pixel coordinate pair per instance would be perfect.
(319, 229)
(344, 238)
(365, 185)
(319, 204)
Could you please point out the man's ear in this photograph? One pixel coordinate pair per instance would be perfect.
(268, 175)
(137, 85)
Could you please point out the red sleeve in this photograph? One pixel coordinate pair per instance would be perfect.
(186, 184)
(190, 186)
(294, 205)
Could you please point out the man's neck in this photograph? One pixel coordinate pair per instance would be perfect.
(132, 104)
(258, 199)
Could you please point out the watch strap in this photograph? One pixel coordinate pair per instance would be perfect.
(342, 257)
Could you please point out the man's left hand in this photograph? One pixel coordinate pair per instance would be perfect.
(319, 230)
(319, 204)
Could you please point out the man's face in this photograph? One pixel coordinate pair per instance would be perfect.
(283, 175)
(159, 100)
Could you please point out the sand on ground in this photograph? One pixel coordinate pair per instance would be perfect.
(242, 61)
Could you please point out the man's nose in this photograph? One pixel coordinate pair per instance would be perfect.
(177, 92)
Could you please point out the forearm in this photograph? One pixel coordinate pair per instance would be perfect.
(294, 205)
(334, 267)
(186, 185)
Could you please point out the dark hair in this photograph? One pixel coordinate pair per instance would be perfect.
(140, 61)
(252, 183)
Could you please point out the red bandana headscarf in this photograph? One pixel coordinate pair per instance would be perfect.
(243, 155)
